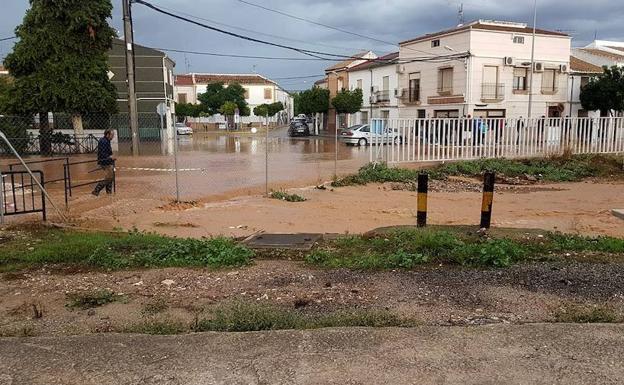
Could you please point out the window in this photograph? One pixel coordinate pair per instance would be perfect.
(520, 79)
(435, 43)
(549, 81)
(246, 93)
(365, 128)
(518, 39)
(446, 113)
(364, 117)
(268, 94)
(445, 81)
(359, 84)
(421, 114)
(414, 87)
(385, 114)
(182, 98)
(584, 81)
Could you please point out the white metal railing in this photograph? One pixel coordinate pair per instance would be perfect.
(445, 139)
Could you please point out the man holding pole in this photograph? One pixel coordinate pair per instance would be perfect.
(106, 162)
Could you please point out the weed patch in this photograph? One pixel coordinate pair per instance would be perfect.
(244, 317)
(91, 299)
(585, 314)
(284, 196)
(123, 250)
(157, 327)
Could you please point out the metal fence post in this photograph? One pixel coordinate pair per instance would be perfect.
(175, 160)
(266, 161)
(1, 199)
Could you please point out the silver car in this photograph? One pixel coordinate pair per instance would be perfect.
(361, 135)
(183, 129)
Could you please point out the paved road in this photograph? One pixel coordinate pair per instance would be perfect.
(501, 354)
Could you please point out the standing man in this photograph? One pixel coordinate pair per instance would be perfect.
(106, 162)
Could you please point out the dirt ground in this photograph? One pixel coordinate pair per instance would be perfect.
(442, 295)
(583, 208)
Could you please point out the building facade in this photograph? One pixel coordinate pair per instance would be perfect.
(337, 79)
(483, 69)
(154, 78)
(378, 81)
(258, 89)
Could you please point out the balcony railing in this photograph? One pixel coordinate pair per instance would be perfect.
(382, 96)
(492, 91)
(409, 95)
(549, 90)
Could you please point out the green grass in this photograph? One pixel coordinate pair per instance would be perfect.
(284, 196)
(552, 169)
(90, 299)
(410, 247)
(587, 314)
(119, 251)
(245, 316)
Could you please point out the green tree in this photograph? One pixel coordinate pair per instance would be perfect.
(274, 108)
(187, 109)
(312, 101)
(605, 92)
(5, 89)
(59, 62)
(261, 110)
(348, 102)
(217, 94)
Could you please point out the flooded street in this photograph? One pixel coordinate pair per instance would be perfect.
(217, 164)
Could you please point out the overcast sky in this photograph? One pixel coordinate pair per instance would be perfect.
(387, 20)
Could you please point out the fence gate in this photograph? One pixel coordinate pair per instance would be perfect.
(20, 193)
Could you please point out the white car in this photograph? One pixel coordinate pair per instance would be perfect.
(183, 129)
(361, 135)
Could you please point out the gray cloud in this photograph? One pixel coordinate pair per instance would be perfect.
(388, 20)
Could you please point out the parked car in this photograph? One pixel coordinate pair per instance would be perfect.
(183, 129)
(360, 135)
(298, 128)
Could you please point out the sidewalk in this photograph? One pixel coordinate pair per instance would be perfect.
(502, 354)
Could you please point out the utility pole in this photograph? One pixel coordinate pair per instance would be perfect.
(530, 111)
(132, 99)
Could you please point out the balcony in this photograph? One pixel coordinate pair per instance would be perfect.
(382, 96)
(409, 96)
(549, 90)
(492, 92)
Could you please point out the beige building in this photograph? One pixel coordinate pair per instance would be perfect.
(483, 69)
(338, 79)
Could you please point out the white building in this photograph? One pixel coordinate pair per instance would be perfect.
(258, 89)
(580, 74)
(378, 81)
(483, 69)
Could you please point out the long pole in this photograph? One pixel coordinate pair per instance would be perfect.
(266, 157)
(336, 149)
(175, 161)
(530, 111)
(132, 98)
(1, 199)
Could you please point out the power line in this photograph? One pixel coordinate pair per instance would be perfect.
(327, 26)
(299, 77)
(258, 32)
(244, 56)
(233, 34)
(300, 50)
(8, 38)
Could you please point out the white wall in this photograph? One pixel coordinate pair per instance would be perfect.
(486, 48)
(377, 74)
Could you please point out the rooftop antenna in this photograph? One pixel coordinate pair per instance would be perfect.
(188, 64)
(254, 69)
(595, 34)
(460, 14)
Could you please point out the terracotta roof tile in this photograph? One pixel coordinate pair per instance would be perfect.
(187, 79)
(610, 55)
(390, 58)
(578, 65)
(345, 63)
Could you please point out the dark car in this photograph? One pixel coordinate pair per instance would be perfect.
(298, 128)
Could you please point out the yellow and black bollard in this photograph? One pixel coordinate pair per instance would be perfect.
(421, 214)
(488, 198)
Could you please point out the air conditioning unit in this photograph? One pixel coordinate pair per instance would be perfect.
(400, 68)
(397, 93)
(563, 68)
(509, 61)
(538, 67)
